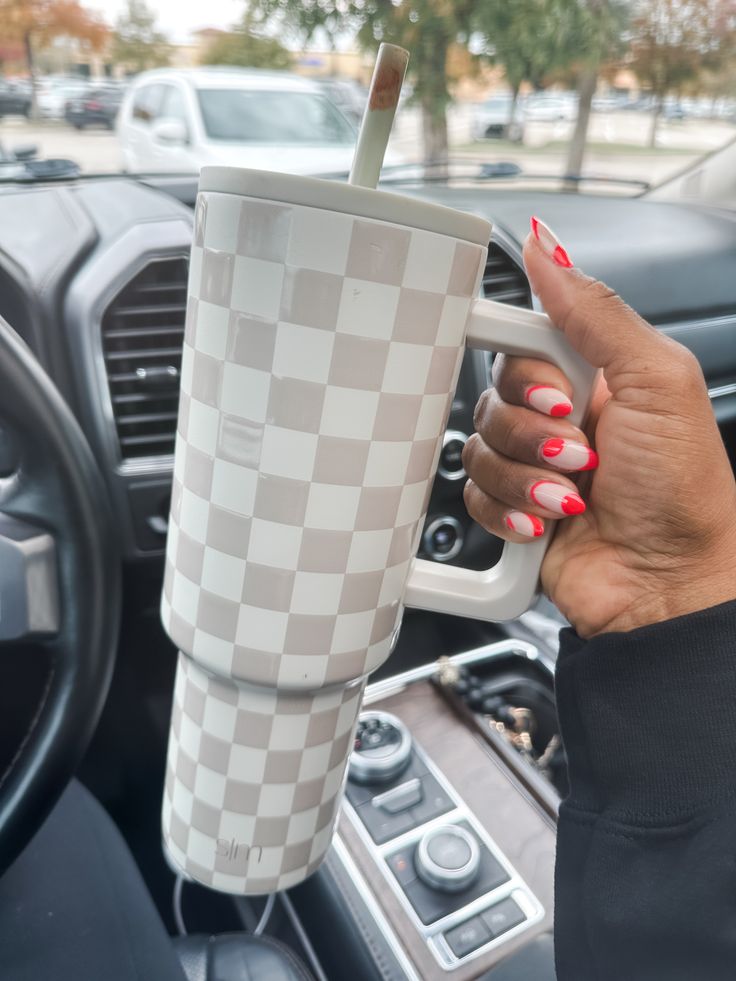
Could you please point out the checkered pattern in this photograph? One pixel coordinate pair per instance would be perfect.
(320, 358)
(254, 779)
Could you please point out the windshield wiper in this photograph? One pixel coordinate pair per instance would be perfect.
(471, 169)
(20, 166)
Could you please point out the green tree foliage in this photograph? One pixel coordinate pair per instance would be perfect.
(243, 48)
(674, 41)
(428, 28)
(535, 40)
(137, 45)
(529, 38)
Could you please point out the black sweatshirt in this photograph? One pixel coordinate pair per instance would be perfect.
(646, 846)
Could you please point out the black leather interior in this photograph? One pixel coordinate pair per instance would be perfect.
(238, 957)
(58, 487)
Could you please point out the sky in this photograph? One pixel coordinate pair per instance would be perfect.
(178, 18)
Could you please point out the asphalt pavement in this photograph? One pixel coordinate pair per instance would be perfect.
(618, 143)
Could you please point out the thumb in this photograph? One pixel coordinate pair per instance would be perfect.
(595, 320)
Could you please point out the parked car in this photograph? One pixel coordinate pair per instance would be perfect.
(499, 118)
(97, 107)
(673, 111)
(15, 99)
(52, 95)
(179, 121)
(550, 108)
(348, 95)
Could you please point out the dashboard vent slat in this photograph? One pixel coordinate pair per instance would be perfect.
(142, 334)
(504, 280)
(153, 355)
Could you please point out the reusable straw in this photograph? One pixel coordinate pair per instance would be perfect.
(383, 98)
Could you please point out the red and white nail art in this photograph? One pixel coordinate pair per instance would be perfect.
(569, 455)
(524, 524)
(550, 401)
(556, 498)
(550, 243)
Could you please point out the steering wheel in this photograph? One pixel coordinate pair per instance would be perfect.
(59, 585)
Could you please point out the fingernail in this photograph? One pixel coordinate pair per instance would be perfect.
(556, 498)
(550, 243)
(550, 401)
(524, 524)
(569, 455)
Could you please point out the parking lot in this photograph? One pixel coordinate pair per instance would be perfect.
(617, 143)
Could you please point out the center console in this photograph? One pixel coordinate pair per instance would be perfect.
(447, 839)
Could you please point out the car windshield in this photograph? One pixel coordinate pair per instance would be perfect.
(611, 96)
(272, 117)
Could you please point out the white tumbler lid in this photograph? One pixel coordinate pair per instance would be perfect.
(254, 779)
(363, 202)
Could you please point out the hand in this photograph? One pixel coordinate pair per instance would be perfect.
(657, 538)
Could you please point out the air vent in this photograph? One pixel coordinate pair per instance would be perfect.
(504, 280)
(142, 337)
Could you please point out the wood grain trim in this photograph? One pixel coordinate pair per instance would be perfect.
(510, 814)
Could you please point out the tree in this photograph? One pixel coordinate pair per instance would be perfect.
(428, 28)
(599, 28)
(137, 45)
(536, 39)
(244, 48)
(528, 38)
(673, 41)
(37, 22)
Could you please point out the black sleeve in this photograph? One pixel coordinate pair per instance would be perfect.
(646, 849)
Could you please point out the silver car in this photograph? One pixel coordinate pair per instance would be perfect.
(498, 118)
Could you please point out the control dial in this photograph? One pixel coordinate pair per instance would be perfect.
(448, 858)
(382, 748)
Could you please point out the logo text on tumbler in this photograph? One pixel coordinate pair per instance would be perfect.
(233, 850)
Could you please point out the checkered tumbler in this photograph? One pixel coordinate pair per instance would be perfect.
(254, 779)
(322, 346)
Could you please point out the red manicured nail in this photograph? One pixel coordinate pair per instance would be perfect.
(550, 401)
(555, 497)
(524, 524)
(550, 243)
(569, 455)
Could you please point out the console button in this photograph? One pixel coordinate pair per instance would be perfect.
(448, 858)
(449, 851)
(381, 826)
(430, 904)
(443, 538)
(400, 798)
(451, 458)
(436, 801)
(402, 865)
(467, 937)
(503, 916)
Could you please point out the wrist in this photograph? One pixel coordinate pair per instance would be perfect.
(669, 597)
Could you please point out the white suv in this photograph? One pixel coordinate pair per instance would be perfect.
(179, 121)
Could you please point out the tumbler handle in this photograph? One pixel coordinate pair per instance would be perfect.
(509, 588)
